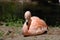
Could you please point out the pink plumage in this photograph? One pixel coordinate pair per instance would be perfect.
(33, 25)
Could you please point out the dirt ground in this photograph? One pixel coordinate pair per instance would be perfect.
(16, 34)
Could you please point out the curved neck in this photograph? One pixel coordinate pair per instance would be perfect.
(28, 23)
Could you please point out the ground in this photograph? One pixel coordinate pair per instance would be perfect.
(16, 34)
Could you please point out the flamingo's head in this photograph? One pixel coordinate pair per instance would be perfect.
(27, 15)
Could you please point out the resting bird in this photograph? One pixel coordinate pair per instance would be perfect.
(33, 25)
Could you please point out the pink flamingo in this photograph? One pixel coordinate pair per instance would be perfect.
(33, 25)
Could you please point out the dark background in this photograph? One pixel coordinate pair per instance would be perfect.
(13, 11)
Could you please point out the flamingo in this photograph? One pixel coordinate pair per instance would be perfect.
(33, 25)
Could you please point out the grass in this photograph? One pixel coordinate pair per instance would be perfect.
(46, 39)
(13, 24)
(1, 33)
(16, 24)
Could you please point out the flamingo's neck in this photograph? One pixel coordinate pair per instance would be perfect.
(28, 23)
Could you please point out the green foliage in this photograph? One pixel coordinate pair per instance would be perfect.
(12, 13)
(1, 33)
(17, 23)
